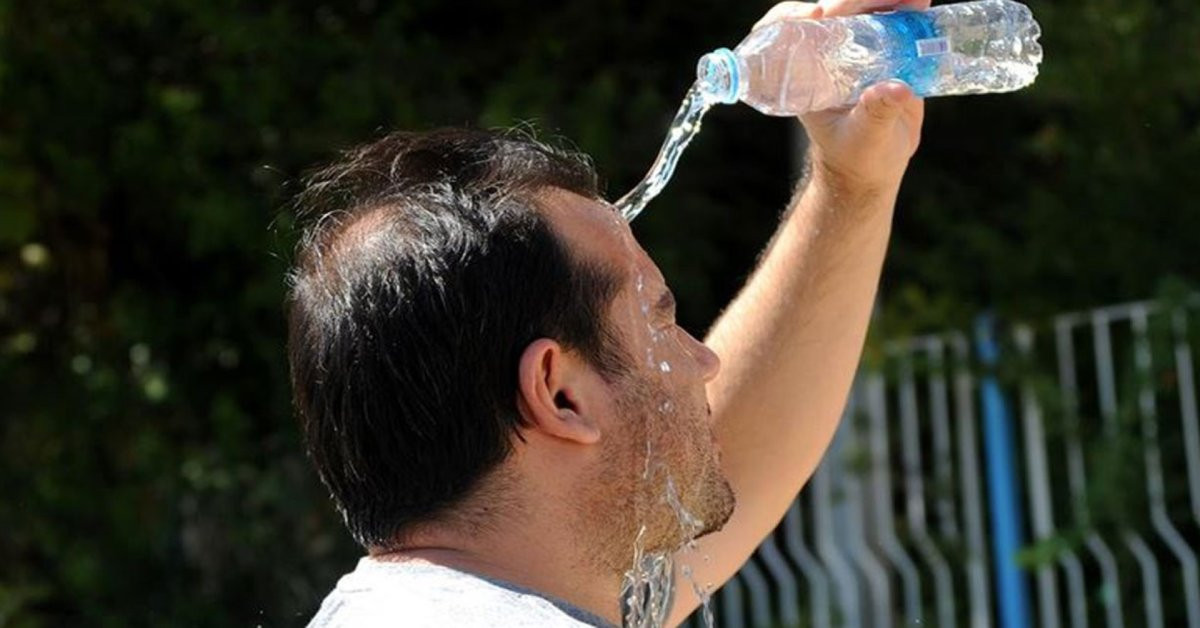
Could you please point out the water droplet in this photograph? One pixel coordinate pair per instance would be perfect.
(664, 366)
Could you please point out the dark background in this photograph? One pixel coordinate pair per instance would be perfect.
(150, 469)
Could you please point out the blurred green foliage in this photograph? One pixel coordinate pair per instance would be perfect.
(150, 467)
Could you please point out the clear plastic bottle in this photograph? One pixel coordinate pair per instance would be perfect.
(791, 67)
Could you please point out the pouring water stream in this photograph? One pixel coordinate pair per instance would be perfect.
(648, 586)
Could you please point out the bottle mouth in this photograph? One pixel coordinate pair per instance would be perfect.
(718, 76)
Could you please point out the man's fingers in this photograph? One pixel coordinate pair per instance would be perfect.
(790, 11)
(853, 7)
(829, 8)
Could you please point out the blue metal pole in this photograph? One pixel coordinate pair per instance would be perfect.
(1003, 485)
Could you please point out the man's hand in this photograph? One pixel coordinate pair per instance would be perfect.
(865, 148)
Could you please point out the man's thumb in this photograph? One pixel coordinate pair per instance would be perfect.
(880, 104)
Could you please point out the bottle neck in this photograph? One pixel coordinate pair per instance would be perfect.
(719, 75)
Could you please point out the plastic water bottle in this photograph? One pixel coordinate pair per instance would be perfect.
(791, 67)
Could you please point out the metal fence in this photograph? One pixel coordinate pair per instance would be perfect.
(1048, 475)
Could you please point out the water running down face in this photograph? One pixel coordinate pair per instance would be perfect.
(660, 431)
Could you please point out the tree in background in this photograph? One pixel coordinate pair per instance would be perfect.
(150, 468)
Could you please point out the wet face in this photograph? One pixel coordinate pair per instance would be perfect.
(660, 466)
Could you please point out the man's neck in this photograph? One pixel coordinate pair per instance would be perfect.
(546, 559)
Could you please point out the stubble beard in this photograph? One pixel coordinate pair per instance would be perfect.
(664, 457)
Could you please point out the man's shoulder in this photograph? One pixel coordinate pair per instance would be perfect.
(420, 594)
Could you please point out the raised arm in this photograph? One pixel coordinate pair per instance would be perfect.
(791, 340)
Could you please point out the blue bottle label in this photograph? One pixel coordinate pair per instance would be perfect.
(915, 46)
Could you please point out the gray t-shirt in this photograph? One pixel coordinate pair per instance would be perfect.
(390, 594)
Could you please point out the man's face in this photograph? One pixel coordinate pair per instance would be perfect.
(660, 466)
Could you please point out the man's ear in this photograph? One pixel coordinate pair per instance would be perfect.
(551, 393)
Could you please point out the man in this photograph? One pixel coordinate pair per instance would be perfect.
(492, 386)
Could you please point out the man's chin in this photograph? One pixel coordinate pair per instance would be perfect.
(717, 509)
(710, 529)
(724, 505)
(712, 517)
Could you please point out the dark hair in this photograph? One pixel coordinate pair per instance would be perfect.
(426, 273)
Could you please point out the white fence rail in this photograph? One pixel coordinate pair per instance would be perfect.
(899, 525)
